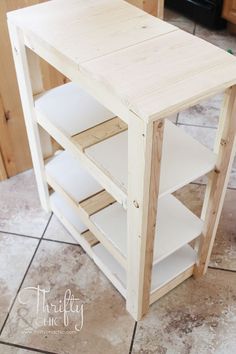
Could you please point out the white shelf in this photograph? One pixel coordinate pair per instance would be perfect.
(71, 109)
(177, 225)
(64, 211)
(162, 272)
(184, 159)
(76, 181)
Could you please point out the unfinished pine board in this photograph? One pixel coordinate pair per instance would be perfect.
(162, 273)
(176, 226)
(183, 159)
(71, 109)
(117, 66)
(94, 24)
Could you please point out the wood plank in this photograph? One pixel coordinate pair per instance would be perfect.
(145, 151)
(23, 65)
(225, 147)
(154, 91)
(157, 294)
(99, 133)
(90, 238)
(94, 24)
(97, 202)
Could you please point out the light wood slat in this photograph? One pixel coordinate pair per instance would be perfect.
(225, 147)
(90, 238)
(97, 202)
(157, 294)
(99, 133)
(145, 152)
(24, 64)
(86, 220)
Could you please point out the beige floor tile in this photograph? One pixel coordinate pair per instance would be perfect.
(56, 231)
(204, 114)
(107, 326)
(6, 349)
(224, 250)
(220, 38)
(179, 20)
(198, 317)
(15, 255)
(20, 210)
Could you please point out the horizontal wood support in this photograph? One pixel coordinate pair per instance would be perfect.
(90, 238)
(97, 202)
(99, 133)
(157, 294)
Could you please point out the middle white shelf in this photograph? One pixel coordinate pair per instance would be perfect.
(69, 115)
(176, 225)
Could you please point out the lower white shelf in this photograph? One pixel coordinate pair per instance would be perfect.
(176, 226)
(163, 272)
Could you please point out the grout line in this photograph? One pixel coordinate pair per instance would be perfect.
(177, 118)
(25, 347)
(198, 126)
(222, 269)
(132, 339)
(19, 288)
(63, 242)
(19, 235)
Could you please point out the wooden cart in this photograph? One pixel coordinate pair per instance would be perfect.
(120, 156)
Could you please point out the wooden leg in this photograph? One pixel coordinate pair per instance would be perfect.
(225, 146)
(160, 9)
(29, 82)
(144, 152)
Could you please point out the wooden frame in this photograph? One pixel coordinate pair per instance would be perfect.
(144, 151)
(225, 147)
(136, 274)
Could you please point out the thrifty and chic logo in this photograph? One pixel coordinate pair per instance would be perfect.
(65, 314)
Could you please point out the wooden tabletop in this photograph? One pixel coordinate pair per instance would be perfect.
(152, 67)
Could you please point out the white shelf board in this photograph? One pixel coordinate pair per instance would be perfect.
(67, 212)
(184, 159)
(162, 272)
(68, 173)
(176, 226)
(71, 109)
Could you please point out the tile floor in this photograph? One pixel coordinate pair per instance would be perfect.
(197, 317)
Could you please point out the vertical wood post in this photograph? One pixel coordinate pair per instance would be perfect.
(23, 62)
(225, 147)
(144, 160)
